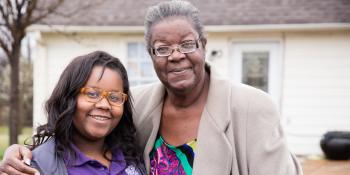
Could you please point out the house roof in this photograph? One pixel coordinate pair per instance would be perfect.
(213, 12)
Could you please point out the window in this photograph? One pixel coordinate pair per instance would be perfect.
(257, 64)
(255, 68)
(140, 68)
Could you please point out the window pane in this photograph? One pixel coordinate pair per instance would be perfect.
(140, 68)
(255, 69)
(133, 68)
(143, 53)
(147, 69)
(132, 50)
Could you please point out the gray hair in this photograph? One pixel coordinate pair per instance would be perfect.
(172, 8)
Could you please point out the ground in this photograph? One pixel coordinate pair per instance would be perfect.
(325, 167)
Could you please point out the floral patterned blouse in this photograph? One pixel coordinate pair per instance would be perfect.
(167, 159)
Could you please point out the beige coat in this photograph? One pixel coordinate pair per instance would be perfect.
(239, 131)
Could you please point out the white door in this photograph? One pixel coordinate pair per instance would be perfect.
(258, 64)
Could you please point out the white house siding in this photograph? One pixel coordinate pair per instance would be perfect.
(316, 94)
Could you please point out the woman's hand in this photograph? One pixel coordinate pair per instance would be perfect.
(16, 161)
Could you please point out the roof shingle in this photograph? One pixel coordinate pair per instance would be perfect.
(213, 12)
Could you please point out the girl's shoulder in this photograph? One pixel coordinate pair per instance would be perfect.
(46, 160)
(48, 146)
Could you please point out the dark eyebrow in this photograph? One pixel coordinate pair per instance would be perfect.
(182, 42)
(188, 40)
(162, 41)
(99, 89)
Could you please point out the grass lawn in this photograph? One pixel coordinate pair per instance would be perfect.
(4, 138)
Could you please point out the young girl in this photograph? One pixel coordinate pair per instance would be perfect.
(90, 127)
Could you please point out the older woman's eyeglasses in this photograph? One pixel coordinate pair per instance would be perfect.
(186, 47)
(95, 95)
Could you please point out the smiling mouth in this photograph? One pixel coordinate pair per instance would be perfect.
(100, 117)
(179, 70)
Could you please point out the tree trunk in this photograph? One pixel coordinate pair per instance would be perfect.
(14, 119)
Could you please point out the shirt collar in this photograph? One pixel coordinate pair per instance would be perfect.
(118, 160)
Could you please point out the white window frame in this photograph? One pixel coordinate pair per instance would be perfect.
(275, 63)
(138, 80)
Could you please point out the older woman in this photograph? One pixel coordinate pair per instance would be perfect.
(194, 121)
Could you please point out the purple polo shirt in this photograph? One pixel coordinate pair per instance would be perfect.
(84, 165)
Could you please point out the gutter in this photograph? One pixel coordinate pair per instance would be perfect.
(208, 28)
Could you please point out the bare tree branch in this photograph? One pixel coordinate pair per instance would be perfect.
(10, 10)
(15, 17)
(4, 13)
(10, 7)
(50, 10)
(21, 8)
(18, 15)
(6, 35)
(30, 8)
(80, 8)
(22, 4)
(4, 47)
